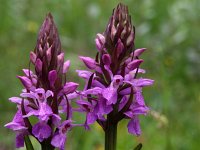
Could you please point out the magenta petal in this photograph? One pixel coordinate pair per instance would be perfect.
(19, 140)
(15, 126)
(134, 126)
(138, 52)
(48, 94)
(129, 114)
(28, 72)
(123, 102)
(17, 123)
(41, 130)
(103, 108)
(44, 111)
(16, 100)
(94, 91)
(84, 74)
(110, 94)
(126, 91)
(139, 97)
(56, 120)
(139, 110)
(142, 82)
(91, 118)
(59, 141)
(28, 95)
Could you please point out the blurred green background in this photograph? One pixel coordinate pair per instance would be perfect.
(170, 30)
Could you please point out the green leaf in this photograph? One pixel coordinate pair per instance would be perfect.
(28, 143)
(138, 147)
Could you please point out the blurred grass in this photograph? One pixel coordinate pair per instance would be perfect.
(169, 29)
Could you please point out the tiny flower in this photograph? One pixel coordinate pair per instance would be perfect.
(59, 138)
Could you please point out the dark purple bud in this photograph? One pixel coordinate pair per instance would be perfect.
(106, 59)
(49, 55)
(120, 27)
(52, 77)
(119, 47)
(38, 65)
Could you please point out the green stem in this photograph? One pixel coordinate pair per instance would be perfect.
(110, 136)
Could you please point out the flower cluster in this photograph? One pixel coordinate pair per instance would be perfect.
(113, 91)
(46, 94)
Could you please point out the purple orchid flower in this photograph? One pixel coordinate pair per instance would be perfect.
(112, 90)
(47, 95)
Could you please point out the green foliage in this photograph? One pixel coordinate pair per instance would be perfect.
(170, 31)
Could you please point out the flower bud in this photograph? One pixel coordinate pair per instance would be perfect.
(60, 59)
(52, 77)
(138, 52)
(120, 28)
(70, 87)
(89, 62)
(100, 41)
(66, 66)
(106, 59)
(38, 65)
(48, 54)
(25, 81)
(33, 57)
(134, 64)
